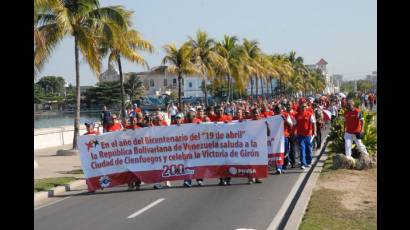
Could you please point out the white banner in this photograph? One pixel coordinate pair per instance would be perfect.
(189, 151)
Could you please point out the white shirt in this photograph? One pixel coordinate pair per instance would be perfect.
(173, 110)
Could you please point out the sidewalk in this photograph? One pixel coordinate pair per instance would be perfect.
(51, 165)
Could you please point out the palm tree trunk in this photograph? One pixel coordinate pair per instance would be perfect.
(271, 87)
(205, 92)
(263, 95)
(122, 90)
(252, 87)
(179, 92)
(78, 95)
(257, 86)
(229, 89)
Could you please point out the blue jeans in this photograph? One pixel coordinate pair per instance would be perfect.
(287, 152)
(305, 146)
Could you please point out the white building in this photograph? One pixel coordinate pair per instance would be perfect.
(157, 82)
(321, 65)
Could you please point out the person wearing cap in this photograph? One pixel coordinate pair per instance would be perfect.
(115, 124)
(353, 127)
(140, 120)
(306, 129)
(90, 129)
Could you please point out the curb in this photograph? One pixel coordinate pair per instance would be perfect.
(282, 216)
(299, 210)
(39, 196)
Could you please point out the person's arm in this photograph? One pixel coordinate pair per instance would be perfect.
(361, 120)
(313, 120)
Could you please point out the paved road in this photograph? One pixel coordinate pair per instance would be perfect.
(209, 207)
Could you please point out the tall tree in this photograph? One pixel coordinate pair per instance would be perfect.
(134, 87)
(84, 20)
(180, 64)
(205, 58)
(124, 43)
(300, 70)
(251, 65)
(231, 52)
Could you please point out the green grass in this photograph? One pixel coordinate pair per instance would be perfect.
(47, 183)
(75, 171)
(326, 212)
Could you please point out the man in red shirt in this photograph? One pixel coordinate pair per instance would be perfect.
(133, 124)
(115, 124)
(305, 128)
(353, 129)
(201, 115)
(255, 116)
(239, 115)
(288, 129)
(90, 129)
(210, 113)
(220, 117)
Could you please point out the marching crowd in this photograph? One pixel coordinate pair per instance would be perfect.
(304, 121)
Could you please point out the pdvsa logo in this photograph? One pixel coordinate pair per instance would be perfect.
(235, 171)
(105, 181)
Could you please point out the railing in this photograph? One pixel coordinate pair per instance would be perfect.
(57, 136)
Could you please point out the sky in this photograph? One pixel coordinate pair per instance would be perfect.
(344, 33)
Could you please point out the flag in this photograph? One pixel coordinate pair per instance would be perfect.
(327, 115)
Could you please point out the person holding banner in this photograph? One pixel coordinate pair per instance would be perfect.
(306, 130)
(157, 121)
(115, 124)
(191, 118)
(221, 117)
(288, 126)
(90, 129)
(255, 116)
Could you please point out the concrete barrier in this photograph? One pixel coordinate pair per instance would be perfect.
(57, 136)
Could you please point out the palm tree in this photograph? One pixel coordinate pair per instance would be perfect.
(180, 64)
(299, 68)
(251, 65)
(282, 70)
(126, 44)
(205, 57)
(134, 87)
(85, 20)
(231, 52)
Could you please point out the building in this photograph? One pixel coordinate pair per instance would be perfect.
(157, 82)
(337, 80)
(373, 79)
(322, 66)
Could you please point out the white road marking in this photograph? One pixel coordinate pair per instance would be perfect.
(146, 208)
(52, 203)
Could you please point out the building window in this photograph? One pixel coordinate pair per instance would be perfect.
(174, 82)
(190, 84)
(165, 82)
(151, 83)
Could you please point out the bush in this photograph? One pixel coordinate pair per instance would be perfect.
(369, 138)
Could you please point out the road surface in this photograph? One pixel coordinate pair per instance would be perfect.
(239, 206)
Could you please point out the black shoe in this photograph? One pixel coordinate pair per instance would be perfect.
(258, 181)
(222, 183)
(228, 182)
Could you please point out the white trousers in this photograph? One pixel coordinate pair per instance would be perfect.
(349, 138)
